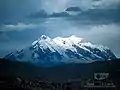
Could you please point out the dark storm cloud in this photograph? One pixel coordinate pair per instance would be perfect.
(73, 9)
(61, 14)
(104, 15)
(40, 14)
(15, 10)
(96, 0)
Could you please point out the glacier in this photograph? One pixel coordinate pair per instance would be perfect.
(46, 51)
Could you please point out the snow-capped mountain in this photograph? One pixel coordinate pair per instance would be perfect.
(49, 52)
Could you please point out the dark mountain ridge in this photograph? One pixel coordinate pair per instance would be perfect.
(59, 73)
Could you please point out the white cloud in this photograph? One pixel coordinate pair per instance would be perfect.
(18, 27)
(110, 4)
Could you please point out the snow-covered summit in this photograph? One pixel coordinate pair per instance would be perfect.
(46, 51)
(70, 40)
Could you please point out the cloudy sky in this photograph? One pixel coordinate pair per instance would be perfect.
(23, 21)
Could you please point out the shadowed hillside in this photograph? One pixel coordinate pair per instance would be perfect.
(59, 73)
(11, 70)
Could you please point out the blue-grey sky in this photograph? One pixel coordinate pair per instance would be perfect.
(17, 9)
(23, 21)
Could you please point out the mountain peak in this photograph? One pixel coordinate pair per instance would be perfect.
(49, 52)
(73, 37)
(44, 37)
